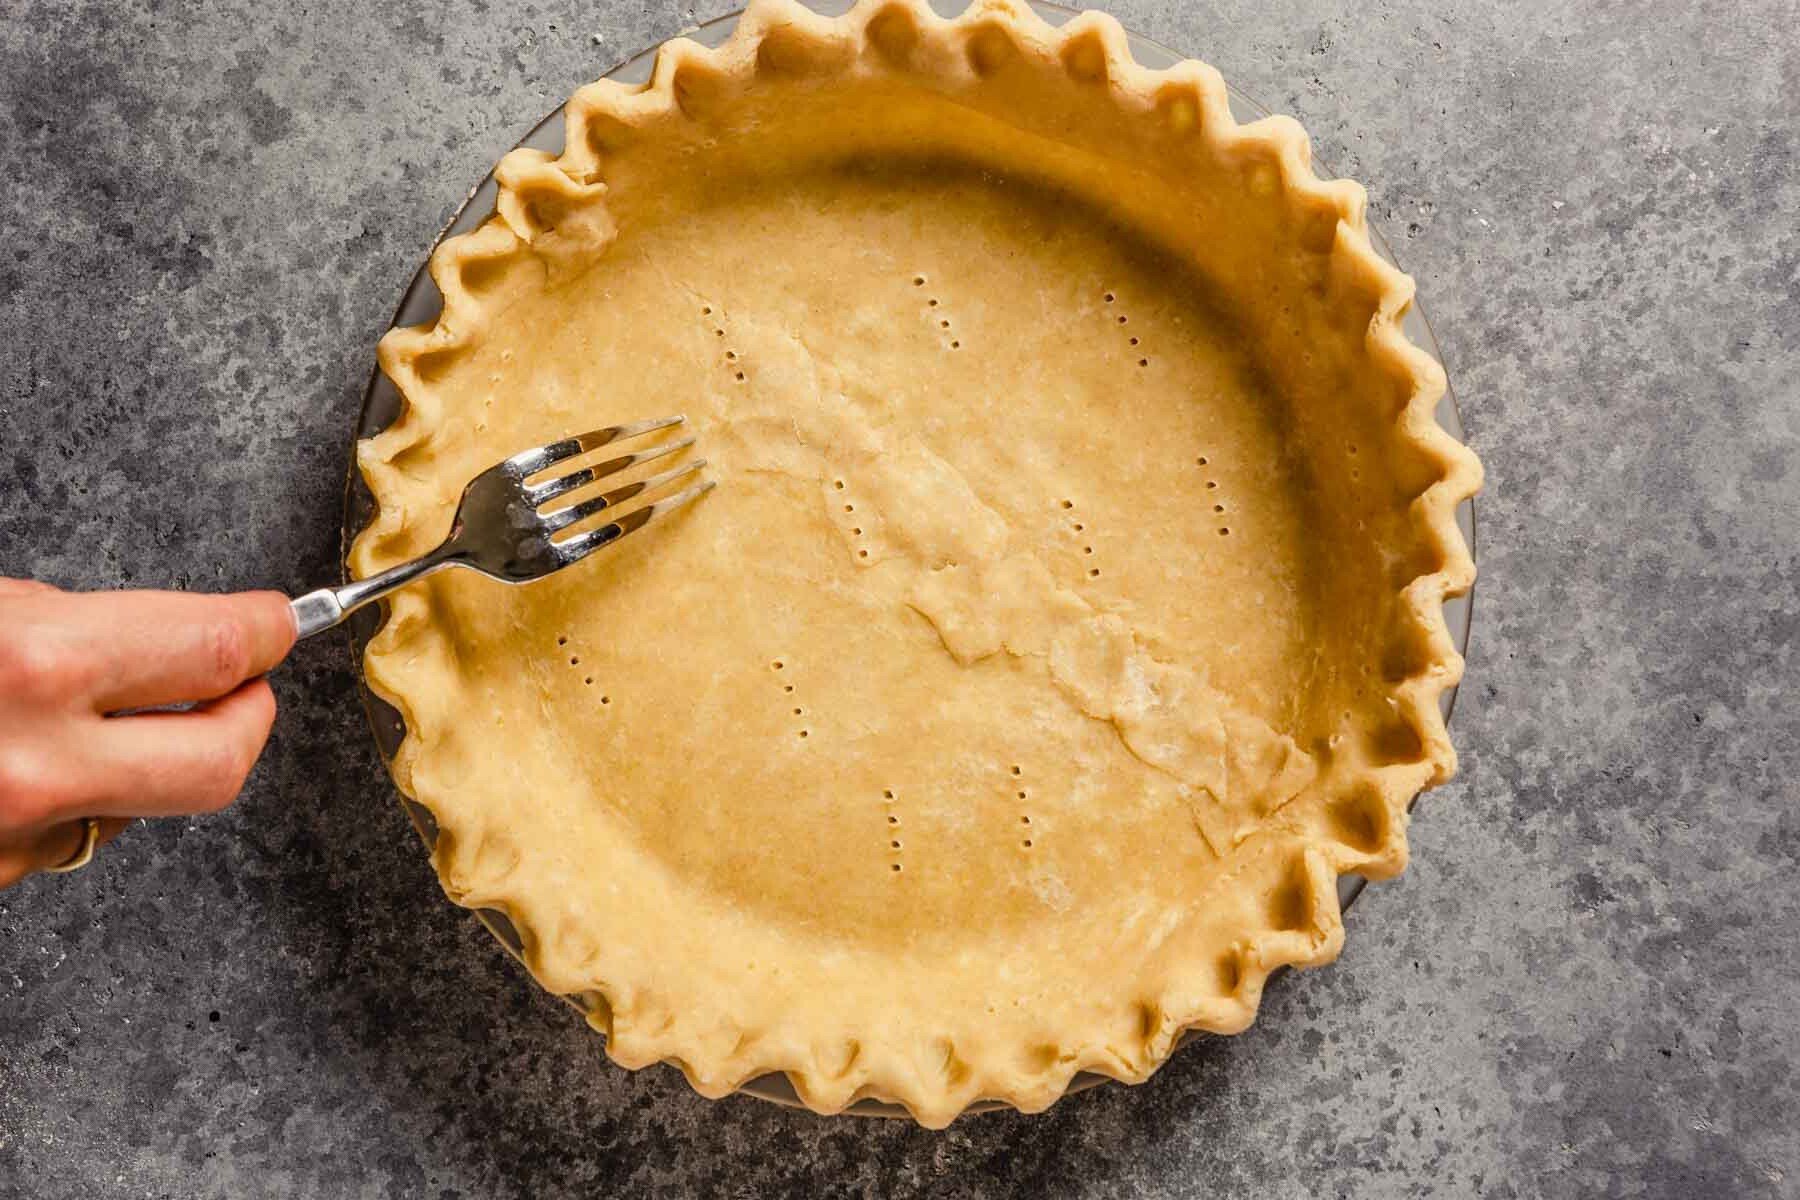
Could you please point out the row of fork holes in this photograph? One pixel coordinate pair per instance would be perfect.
(562, 643)
(1024, 796)
(787, 692)
(893, 830)
(1121, 320)
(850, 510)
(1079, 529)
(935, 313)
(1212, 485)
(731, 355)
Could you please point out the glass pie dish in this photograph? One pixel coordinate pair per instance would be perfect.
(382, 406)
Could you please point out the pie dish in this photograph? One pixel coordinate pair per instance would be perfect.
(1069, 614)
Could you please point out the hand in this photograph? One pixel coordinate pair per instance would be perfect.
(68, 659)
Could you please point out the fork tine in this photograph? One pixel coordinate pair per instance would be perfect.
(562, 518)
(530, 462)
(582, 545)
(545, 492)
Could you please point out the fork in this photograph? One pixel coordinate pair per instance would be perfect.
(502, 530)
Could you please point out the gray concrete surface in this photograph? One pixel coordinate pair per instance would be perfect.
(1586, 984)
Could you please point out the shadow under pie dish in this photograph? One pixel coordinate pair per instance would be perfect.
(1069, 613)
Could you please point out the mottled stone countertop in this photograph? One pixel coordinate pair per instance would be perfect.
(1586, 984)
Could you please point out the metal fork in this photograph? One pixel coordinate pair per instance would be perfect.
(502, 530)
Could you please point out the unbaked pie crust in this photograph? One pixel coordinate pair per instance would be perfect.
(1069, 613)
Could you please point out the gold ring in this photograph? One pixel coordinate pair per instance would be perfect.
(84, 854)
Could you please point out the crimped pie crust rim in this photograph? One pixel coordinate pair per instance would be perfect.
(1089, 45)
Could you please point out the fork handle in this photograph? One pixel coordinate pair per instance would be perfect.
(318, 611)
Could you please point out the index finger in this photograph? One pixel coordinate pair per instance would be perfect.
(151, 648)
